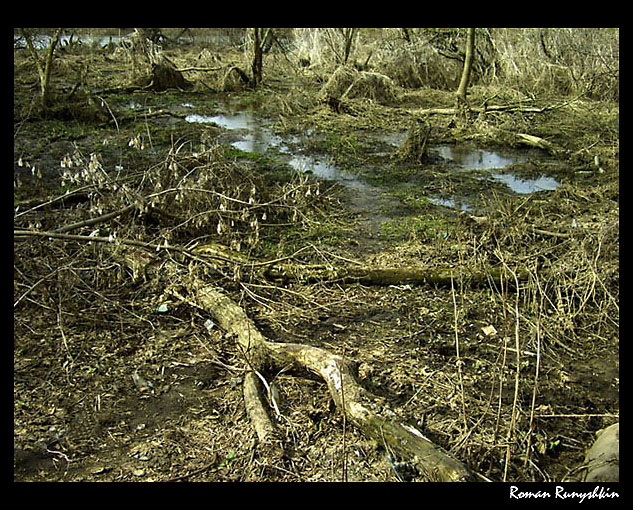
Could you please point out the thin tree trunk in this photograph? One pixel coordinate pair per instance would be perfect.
(468, 64)
(43, 70)
(258, 55)
(348, 37)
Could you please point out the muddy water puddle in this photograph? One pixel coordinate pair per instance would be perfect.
(251, 133)
(490, 165)
(470, 158)
(526, 186)
(255, 135)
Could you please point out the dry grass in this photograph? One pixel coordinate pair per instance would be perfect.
(512, 379)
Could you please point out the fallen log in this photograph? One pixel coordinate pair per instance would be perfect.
(520, 108)
(437, 276)
(367, 412)
(538, 142)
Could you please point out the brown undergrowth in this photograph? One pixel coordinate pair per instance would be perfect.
(488, 373)
(117, 378)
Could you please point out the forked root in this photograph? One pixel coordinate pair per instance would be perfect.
(366, 411)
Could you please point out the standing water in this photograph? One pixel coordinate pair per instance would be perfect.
(469, 158)
(253, 134)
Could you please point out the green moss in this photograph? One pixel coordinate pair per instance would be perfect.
(419, 228)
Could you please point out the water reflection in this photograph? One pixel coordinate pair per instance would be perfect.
(525, 186)
(255, 135)
(470, 158)
(228, 121)
(475, 159)
(453, 203)
(326, 170)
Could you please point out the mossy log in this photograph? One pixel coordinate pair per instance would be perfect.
(437, 276)
(366, 411)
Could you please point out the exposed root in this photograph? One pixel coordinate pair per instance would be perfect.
(368, 412)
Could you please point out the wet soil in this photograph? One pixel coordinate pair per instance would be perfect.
(111, 386)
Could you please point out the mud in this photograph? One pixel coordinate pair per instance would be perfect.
(114, 381)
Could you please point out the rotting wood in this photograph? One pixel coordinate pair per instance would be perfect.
(366, 411)
(165, 76)
(514, 108)
(438, 276)
(536, 141)
(415, 145)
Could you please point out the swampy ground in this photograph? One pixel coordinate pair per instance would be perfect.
(116, 379)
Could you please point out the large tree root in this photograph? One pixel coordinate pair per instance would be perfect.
(366, 411)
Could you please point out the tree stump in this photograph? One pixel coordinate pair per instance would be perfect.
(165, 76)
(415, 145)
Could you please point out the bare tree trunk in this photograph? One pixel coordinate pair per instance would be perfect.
(468, 64)
(43, 70)
(348, 39)
(258, 55)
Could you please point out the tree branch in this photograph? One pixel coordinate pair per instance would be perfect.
(94, 221)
